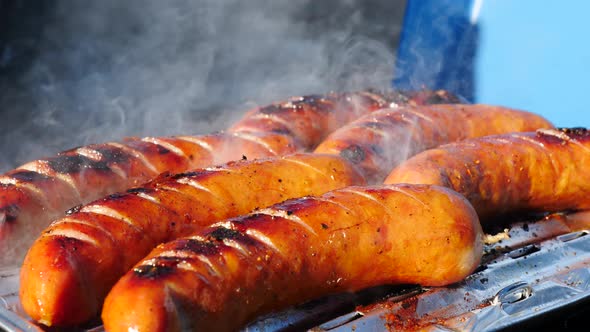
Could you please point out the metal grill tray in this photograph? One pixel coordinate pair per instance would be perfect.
(535, 269)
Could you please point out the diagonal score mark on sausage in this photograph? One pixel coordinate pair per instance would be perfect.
(275, 213)
(166, 145)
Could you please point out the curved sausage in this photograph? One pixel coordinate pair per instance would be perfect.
(542, 171)
(382, 140)
(40, 191)
(310, 119)
(71, 267)
(346, 240)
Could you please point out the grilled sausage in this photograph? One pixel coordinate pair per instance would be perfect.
(40, 191)
(540, 171)
(309, 119)
(346, 240)
(407, 131)
(71, 267)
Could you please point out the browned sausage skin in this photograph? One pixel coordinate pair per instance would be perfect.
(357, 237)
(540, 171)
(40, 191)
(310, 119)
(382, 140)
(71, 267)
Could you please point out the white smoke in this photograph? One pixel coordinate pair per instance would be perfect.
(109, 69)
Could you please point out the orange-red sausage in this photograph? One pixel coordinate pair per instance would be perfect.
(540, 171)
(310, 119)
(42, 190)
(346, 240)
(379, 141)
(71, 267)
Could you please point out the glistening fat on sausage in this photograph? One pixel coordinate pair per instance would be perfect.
(224, 276)
(42, 190)
(71, 267)
(379, 141)
(542, 171)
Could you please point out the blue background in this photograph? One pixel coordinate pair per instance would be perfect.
(527, 54)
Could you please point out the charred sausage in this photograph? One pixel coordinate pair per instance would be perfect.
(309, 119)
(71, 267)
(224, 276)
(542, 171)
(40, 191)
(379, 141)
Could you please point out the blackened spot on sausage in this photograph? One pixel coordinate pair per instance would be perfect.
(289, 212)
(280, 180)
(576, 132)
(189, 174)
(197, 247)
(354, 153)
(10, 212)
(113, 154)
(153, 271)
(73, 210)
(282, 131)
(162, 150)
(116, 196)
(140, 190)
(72, 164)
(68, 243)
(29, 176)
(324, 226)
(221, 233)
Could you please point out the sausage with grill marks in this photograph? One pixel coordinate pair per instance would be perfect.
(310, 119)
(542, 171)
(357, 237)
(71, 267)
(379, 141)
(40, 191)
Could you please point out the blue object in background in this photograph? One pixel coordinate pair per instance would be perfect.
(524, 54)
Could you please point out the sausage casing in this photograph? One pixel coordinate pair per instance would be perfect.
(542, 171)
(224, 276)
(379, 141)
(42, 190)
(309, 119)
(70, 268)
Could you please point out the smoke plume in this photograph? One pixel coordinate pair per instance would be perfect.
(103, 70)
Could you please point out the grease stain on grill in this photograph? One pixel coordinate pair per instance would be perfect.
(354, 153)
(29, 176)
(72, 164)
